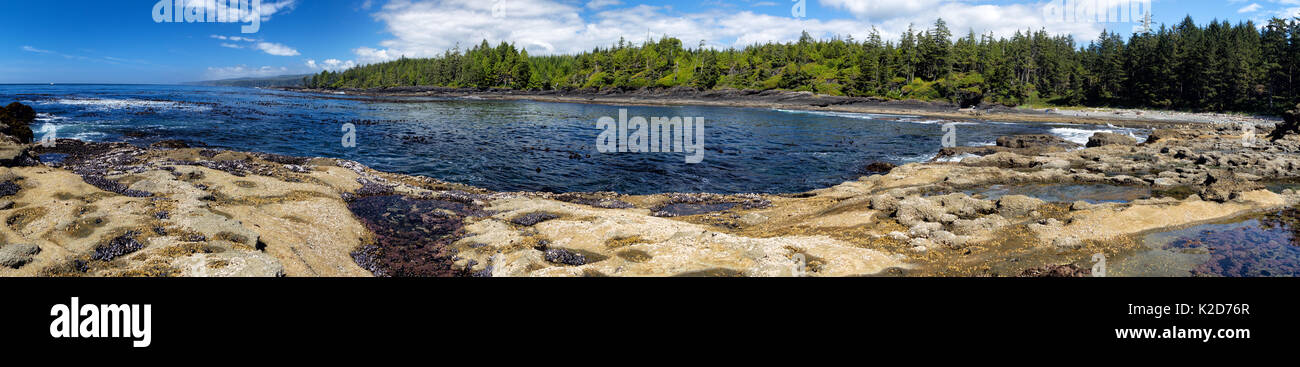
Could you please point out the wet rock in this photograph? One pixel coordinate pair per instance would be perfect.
(16, 154)
(566, 257)
(878, 168)
(604, 201)
(113, 186)
(9, 188)
(1290, 125)
(15, 121)
(1016, 206)
(687, 209)
(1104, 138)
(1057, 271)
(17, 255)
(373, 188)
(413, 237)
(679, 205)
(531, 219)
(170, 144)
(1034, 141)
(118, 246)
(1222, 185)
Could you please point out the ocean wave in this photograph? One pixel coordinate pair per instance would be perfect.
(49, 118)
(956, 158)
(1081, 136)
(852, 115)
(107, 104)
(936, 122)
(913, 159)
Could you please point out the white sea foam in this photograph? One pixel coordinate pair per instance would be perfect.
(852, 115)
(49, 118)
(914, 159)
(1081, 135)
(957, 158)
(108, 104)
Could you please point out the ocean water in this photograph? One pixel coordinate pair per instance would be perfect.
(1255, 245)
(512, 145)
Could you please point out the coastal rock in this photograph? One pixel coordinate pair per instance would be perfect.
(17, 255)
(15, 121)
(1290, 125)
(917, 210)
(963, 206)
(1057, 271)
(1033, 141)
(1104, 138)
(16, 154)
(170, 144)
(1016, 206)
(208, 212)
(1067, 242)
(230, 265)
(924, 229)
(976, 226)
(878, 168)
(1223, 185)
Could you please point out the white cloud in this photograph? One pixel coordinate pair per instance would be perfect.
(1003, 20)
(1249, 8)
(331, 65)
(269, 8)
(242, 71)
(598, 4)
(230, 45)
(232, 38)
(276, 49)
(36, 50)
(423, 28)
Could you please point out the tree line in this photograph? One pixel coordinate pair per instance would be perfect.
(1214, 67)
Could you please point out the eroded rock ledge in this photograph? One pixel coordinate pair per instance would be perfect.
(113, 209)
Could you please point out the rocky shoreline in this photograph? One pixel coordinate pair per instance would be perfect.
(114, 209)
(807, 101)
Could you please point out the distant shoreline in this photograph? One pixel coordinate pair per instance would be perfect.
(807, 101)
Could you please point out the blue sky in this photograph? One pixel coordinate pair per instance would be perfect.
(118, 41)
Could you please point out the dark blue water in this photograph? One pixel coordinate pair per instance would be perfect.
(509, 145)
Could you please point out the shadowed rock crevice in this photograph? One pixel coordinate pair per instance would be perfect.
(413, 237)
